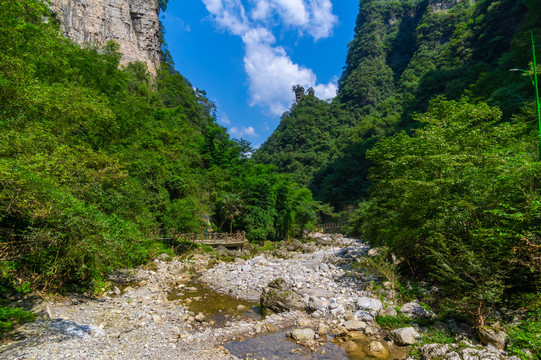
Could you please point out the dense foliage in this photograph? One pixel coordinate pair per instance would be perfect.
(436, 142)
(98, 162)
(458, 201)
(403, 54)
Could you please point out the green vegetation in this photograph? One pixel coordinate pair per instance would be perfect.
(434, 142)
(389, 322)
(99, 162)
(10, 317)
(527, 336)
(458, 200)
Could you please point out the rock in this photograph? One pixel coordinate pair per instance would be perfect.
(462, 331)
(339, 331)
(280, 253)
(72, 329)
(413, 309)
(309, 248)
(404, 336)
(163, 257)
(279, 296)
(452, 356)
(356, 335)
(369, 303)
(133, 24)
(469, 354)
(303, 334)
(350, 345)
(431, 351)
(376, 349)
(248, 247)
(294, 245)
(322, 329)
(353, 325)
(373, 252)
(390, 311)
(492, 336)
(200, 317)
(241, 308)
(364, 315)
(116, 290)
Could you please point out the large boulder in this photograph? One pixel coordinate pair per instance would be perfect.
(414, 310)
(278, 296)
(369, 303)
(492, 336)
(404, 336)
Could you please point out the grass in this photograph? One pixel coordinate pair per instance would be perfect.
(12, 317)
(393, 322)
(525, 339)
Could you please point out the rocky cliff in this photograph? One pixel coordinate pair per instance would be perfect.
(133, 24)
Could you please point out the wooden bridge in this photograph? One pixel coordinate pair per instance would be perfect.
(237, 239)
(332, 228)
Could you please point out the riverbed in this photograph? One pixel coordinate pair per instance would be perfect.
(200, 308)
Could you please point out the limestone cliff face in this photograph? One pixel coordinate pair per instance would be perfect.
(133, 24)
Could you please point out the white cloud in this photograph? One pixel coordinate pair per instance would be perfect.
(271, 72)
(322, 19)
(224, 119)
(312, 16)
(242, 132)
(229, 14)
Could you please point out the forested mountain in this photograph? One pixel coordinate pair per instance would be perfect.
(403, 54)
(99, 161)
(436, 144)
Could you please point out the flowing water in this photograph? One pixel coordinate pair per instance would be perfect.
(217, 307)
(220, 309)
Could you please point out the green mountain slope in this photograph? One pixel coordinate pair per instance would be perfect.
(403, 54)
(99, 162)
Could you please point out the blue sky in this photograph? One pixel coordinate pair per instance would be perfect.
(246, 54)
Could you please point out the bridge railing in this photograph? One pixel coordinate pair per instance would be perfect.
(215, 238)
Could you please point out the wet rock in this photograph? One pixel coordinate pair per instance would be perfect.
(241, 308)
(376, 349)
(404, 336)
(279, 296)
(350, 345)
(431, 351)
(303, 334)
(492, 336)
(200, 317)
